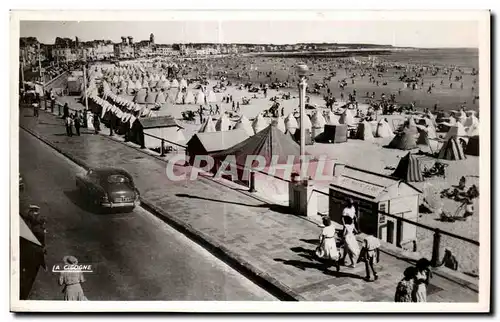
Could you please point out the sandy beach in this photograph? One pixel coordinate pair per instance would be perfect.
(354, 152)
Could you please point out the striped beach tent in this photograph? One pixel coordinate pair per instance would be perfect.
(404, 140)
(259, 123)
(291, 124)
(207, 126)
(223, 123)
(189, 97)
(245, 124)
(409, 169)
(451, 150)
(364, 131)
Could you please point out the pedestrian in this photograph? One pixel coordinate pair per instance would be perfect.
(351, 246)
(96, 123)
(282, 111)
(65, 111)
(327, 249)
(69, 128)
(422, 279)
(233, 105)
(369, 254)
(36, 107)
(238, 106)
(37, 223)
(404, 290)
(71, 281)
(52, 100)
(349, 213)
(217, 109)
(77, 121)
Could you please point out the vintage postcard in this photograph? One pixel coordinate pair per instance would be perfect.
(228, 161)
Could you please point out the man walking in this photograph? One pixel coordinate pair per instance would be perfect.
(77, 121)
(68, 122)
(370, 253)
(96, 123)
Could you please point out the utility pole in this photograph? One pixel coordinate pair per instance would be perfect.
(22, 69)
(85, 79)
(41, 74)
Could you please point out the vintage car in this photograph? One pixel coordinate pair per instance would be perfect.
(108, 188)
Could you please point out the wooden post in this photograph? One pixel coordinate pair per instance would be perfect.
(436, 247)
(252, 182)
(162, 149)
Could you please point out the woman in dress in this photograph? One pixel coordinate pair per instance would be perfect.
(327, 249)
(404, 290)
(422, 278)
(349, 213)
(351, 246)
(71, 281)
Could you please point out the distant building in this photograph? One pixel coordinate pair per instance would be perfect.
(165, 50)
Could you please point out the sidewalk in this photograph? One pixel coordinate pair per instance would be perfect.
(264, 238)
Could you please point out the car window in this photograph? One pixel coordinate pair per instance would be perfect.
(118, 178)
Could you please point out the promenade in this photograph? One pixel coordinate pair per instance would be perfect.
(269, 242)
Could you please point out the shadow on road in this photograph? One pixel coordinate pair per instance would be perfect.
(86, 205)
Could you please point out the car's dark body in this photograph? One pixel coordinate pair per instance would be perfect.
(95, 185)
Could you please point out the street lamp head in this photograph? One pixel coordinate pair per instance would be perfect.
(302, 69)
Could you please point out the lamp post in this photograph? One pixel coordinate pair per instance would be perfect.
(302, 70)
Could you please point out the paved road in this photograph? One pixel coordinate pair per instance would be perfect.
(135, 256)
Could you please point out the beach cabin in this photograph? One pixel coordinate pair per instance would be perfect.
(373, 192)
(149, 131)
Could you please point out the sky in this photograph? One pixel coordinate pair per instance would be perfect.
(429, 34)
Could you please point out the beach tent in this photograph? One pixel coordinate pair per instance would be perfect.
(383, 129)
(151, 97)
(318, 123)
(145, 83)
(404, 140)
(179, 97)
(153, 84)
(140, 97)
(183, 83)
(267, 143)
(207, 126)
(471, 121)
(307, 123)
(223, 123)
(211, 98)
(161, 98)
(200, 98)
(174, 83)
(245, 124)
(138, 84)
(291, 124)
(259, 123)
(473, 130)
(410, 125)
(364, 131)
(280, 124)
(409, 169)
(458, 130)
(209, 143)
(472, 147)
(462, 117)
(423, 138)
(347, 118)
(332, 119)
(189, 97)
(451, 150)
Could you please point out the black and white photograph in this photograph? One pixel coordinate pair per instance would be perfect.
(337, 159)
